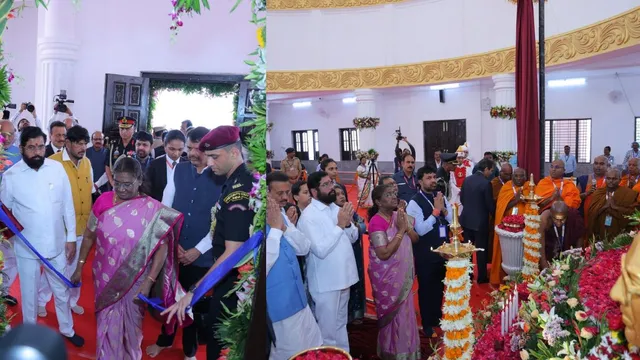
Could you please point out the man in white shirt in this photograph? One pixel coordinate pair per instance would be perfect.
(160, 171)
(38, 193)
(331, 264)
(27, 108)
(569, 160)
(294, 326)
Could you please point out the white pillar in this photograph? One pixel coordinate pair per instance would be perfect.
(57, 55)
(366, 107)
(505, 90)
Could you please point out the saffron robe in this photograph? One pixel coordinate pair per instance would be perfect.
(504, 198)
(570, 193)
(588, 184)
(496, 185)
(634, 185)
(623, 198)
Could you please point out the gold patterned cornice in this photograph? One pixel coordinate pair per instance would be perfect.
(618, 32)
(324, 4)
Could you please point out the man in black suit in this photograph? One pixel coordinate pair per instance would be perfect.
(162, 168)
(476, 197)
(58, 135)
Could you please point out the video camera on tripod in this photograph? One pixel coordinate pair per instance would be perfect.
(5, 112)
(60, 100)
(399, 134)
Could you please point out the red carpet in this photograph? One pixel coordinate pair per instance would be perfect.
(85, 325)
(363, 337)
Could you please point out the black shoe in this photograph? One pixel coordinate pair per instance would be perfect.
(483, 280)
(10, 300)
(76, 340)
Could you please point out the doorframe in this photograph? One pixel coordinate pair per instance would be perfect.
(424, 140)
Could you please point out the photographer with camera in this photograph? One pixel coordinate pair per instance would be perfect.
(31, 109)
(397, 161)
(61, 112)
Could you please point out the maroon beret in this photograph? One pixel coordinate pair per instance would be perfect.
(220, 137)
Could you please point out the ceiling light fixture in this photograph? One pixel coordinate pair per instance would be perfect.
(301, 104)
(567, 82)
(445, 86)
(350, 100)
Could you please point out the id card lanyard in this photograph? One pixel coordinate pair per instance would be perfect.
(442, 230)
(560, 238)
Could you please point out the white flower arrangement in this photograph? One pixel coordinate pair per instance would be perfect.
(460, 300)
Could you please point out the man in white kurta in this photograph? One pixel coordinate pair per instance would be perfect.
(331, 264)
(299, 331)
(38, 193)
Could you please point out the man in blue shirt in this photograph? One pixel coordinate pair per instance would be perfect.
(569, 160)
(97, 154)
(406, 178)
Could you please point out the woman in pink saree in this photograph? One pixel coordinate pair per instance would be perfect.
(135, 254)
(391, 273)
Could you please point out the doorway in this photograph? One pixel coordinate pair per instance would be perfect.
(443, 135)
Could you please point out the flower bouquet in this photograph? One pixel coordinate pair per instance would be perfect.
(503, 112)
(322, 353)
(512, 223)
(366, 122)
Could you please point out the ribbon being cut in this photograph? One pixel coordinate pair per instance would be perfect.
(12, 225)
(237, 259)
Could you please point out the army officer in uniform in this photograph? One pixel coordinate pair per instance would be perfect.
(443, 174)
(232, 218)
(126, 146)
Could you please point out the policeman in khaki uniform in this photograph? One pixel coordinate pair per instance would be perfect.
(232, 218)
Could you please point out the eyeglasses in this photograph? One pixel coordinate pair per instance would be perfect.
(33, 148)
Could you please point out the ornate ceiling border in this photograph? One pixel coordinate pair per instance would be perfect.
(324, 4)
(615, 33)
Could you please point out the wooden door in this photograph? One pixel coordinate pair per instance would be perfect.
(125, 96)
(244, 110)
(443, 135)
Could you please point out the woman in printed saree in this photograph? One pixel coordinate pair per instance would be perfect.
(364, 183)
(391, 272)
(135, 239)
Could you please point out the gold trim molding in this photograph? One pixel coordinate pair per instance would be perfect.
(325, 4)
(619, 32)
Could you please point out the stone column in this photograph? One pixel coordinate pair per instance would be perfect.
(505, 88)
(366, 103)
(57, 55)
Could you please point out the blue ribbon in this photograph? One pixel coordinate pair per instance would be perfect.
(217, 274)
(8, 223)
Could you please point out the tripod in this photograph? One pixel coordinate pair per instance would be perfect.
(373, 169)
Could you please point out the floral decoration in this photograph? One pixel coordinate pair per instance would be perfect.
(503, 112)
(457, 318)
(325, 353)
(270, 154)
(503, 156)
(369, 154)
(512, 223)
(531, 241)
(366, 122)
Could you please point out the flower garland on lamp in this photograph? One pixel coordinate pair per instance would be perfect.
(457, 318)
(503, 112)
(531, 239)
(366, 122)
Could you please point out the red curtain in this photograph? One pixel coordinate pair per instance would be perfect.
(527, 121)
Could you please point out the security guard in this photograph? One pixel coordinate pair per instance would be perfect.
(126, 146)
(443, 175)
(232, 218)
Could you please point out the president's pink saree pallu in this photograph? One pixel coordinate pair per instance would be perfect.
(127, 236)
(392, 281)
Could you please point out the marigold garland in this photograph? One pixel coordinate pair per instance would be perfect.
(531, 241)
(366, 122)
(503, 112)
(457, 319)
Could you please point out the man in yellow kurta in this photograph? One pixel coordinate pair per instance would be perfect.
(509, 202)
(555, 187)
(632, 179)
(80, 174)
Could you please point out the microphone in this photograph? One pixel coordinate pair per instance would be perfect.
(32, 342)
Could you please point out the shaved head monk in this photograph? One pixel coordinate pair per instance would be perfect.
(561, 228)
(554, 187)
(632, 179)
(506, 172)
(609, 208)
(588, 184)
(509, 202)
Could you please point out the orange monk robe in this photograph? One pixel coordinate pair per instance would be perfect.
(625, 200)
(625, 182)
(504, 198)
(496, 185)
(570, 193)
(600, 183)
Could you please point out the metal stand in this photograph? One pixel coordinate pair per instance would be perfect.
(372, 167)
(542, 83)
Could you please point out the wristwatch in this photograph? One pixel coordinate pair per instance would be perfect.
(192, 289)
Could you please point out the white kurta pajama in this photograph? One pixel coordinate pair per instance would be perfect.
(300, 331)
(331, 269)
(42, 202)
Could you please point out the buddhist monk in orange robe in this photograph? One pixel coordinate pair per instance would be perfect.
(588, 184)
(632, 180)
(555, 187)
(609, 208)
(509, 202)
(506, 171)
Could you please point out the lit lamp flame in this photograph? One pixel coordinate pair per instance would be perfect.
(455, 248)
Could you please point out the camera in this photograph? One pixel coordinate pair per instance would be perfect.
(398, 134)
(30, 107)
(60, 100)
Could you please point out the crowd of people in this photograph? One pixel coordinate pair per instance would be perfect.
(408, 215)
(138, 211)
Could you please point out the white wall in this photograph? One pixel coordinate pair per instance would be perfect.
(612, 123)
(126, 37)
(414, 31)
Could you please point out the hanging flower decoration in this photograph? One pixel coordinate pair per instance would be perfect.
(531, 241)
(503, 112)
(270, 154)
(366, 122)
(503, 156)
(457, 318)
